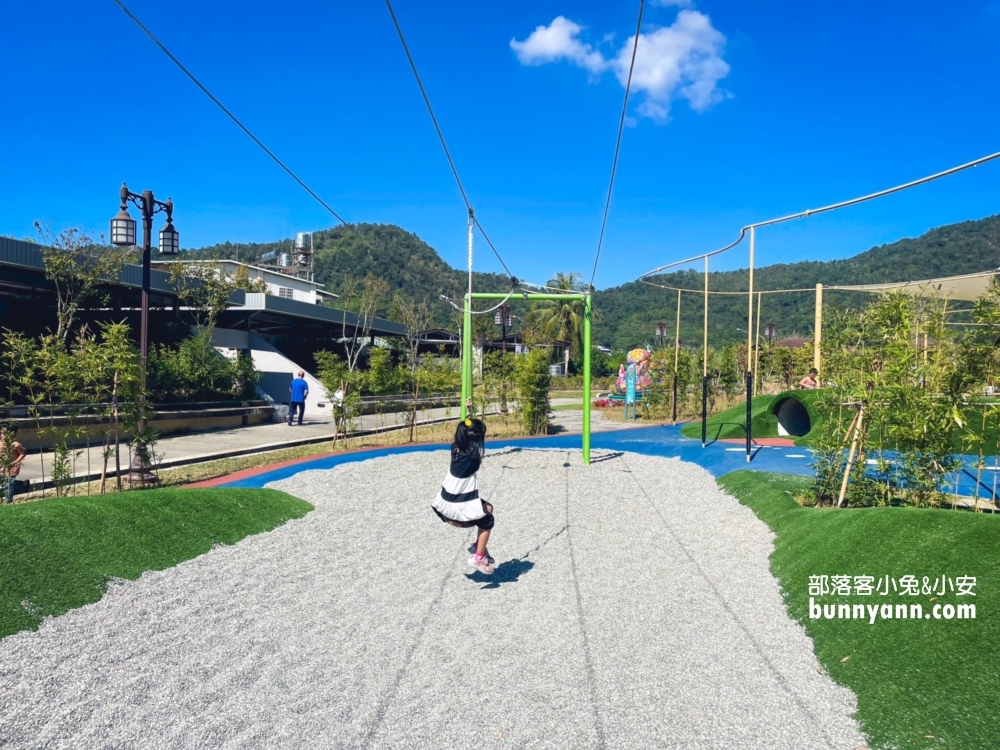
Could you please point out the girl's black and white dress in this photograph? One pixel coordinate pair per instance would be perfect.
(459, 498)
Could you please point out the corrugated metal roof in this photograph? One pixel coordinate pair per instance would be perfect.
(29, 255)
(294, 308)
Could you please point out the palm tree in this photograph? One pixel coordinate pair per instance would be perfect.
(562, 319)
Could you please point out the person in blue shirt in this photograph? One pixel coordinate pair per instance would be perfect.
(299, 390)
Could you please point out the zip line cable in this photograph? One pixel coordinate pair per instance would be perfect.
(268, 151)
(497, 306)
(701, 292)
(440, 135)
(832, 207)
(618, 142)
(232, 117)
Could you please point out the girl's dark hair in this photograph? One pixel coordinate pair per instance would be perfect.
(470, 437)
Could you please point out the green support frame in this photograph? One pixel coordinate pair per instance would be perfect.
(467, 367)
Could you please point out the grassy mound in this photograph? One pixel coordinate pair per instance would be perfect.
(732, 422)
(59, 554)
(920, 683)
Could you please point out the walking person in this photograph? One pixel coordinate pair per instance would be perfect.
(12, 455)
(299, 391)
(458, 503)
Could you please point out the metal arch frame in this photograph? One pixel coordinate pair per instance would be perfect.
(587, 343)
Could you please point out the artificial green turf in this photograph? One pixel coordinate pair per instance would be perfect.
(914, 679)
(732, 422)
(59, 554)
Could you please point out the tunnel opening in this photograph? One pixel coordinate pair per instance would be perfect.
(793, 417)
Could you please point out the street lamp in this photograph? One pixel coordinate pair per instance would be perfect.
(502, 319)
(123, 234)
(770, 332)
(661, 332)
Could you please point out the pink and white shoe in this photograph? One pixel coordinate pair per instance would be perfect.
(472, 550)
(482, 564)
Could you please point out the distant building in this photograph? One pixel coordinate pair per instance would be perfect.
(793, 342)
(437, 340)
(278, 284)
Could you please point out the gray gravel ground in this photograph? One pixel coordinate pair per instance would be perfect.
(632, 607)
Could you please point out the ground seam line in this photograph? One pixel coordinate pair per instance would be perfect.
(588, 659)
(739, 623)
(390, 694)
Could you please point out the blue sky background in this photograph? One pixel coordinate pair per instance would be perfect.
(821, 102)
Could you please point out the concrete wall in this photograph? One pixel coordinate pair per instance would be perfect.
(276, 370)
(164, 422)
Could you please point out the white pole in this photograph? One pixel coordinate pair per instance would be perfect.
(468, 321)
(471, 225)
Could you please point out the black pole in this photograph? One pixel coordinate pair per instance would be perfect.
(749, 410)
(704, 411)
(675, 398)
(147, 242)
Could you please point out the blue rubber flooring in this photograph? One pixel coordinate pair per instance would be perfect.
(717, 458)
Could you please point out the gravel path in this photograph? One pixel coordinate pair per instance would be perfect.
(632, 607)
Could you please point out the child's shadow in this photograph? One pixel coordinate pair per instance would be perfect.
(505, 572)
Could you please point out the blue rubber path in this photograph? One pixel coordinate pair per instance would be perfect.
(718, 458)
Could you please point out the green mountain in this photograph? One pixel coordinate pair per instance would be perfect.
(401, 258)
(628, 314)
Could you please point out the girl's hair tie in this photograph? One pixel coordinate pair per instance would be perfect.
(468, 422)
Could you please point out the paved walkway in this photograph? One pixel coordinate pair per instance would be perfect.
(632, 607)
(204, 446)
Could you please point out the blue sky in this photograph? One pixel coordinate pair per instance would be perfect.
(743, 111)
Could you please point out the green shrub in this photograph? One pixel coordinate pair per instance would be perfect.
(531, 380)
(196, 371)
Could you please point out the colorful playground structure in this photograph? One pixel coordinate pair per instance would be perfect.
(643, 377)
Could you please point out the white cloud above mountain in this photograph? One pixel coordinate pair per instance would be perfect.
(680, 61)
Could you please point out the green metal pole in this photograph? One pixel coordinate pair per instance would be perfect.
(466, 357)
(586, 379)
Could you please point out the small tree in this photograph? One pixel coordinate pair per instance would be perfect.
(333, 374)
(415, 317)
(206, 288)
(363, 298)
(532, 380)
(381, 378)
(78, 265)
(120, 369)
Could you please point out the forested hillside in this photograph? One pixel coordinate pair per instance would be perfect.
(401, 258)
(627, 314)
(630, 312)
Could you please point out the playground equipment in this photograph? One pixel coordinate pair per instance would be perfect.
(467, 367)
(751, 230)
(643, 378)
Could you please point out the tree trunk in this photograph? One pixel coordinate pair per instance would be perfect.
(413, 412)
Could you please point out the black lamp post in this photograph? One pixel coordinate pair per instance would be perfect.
(502, 319)
(123, 234)
(770, 331)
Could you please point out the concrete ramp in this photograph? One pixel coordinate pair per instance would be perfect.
(276, 370)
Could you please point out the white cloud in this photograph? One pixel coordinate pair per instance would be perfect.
(558, 41)
(680, 61)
